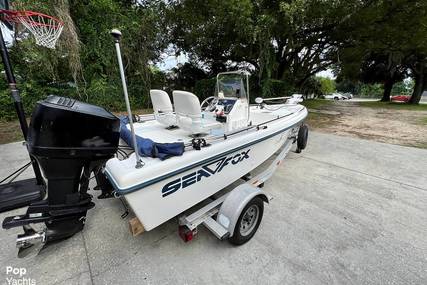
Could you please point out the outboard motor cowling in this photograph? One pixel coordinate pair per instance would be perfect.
(70, 140)
(65, 136)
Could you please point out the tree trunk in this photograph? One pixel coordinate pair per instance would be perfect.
(280, 70)
(420, 86)
(388, 85)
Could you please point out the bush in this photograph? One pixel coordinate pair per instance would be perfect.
(205, 88)
(371, 90)
(31, 92)
(327, 85)
(277, 88)
(100, 91)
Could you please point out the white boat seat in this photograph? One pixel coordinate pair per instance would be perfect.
(162, 106)
(189, 114)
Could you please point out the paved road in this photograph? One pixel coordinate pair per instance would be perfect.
(346, 211)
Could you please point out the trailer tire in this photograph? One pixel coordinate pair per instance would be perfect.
(246, 229)
(302, 138)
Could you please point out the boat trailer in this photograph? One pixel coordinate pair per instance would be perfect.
(236, 214)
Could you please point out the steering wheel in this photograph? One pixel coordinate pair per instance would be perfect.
(210, 102)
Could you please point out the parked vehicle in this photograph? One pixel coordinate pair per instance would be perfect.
(335, 96)
(348, 95)
(400, 98)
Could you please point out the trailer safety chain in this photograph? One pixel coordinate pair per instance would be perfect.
(126, 212)
(16, 173)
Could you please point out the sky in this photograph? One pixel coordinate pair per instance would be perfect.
(326, 73)
(7, 34)
(170, 61)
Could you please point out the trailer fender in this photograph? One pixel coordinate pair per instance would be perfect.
(233, 205)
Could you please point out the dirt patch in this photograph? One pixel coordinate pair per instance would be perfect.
(10, 132)
(389, 125)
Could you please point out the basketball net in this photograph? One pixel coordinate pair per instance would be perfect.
(45, 29)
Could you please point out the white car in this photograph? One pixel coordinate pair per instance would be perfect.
(348, 95)
(336, 96)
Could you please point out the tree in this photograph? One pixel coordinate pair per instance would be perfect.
(84, 65)
(184, 76)
(312, 86)
(345, 85)
(387, 38)
(216, 34)
(327, 85)
(418, 67)
(284, 40)
(371, 90)
(404, 87)
(382, 69)
(142, 44)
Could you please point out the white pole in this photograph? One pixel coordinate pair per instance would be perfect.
(117, 35)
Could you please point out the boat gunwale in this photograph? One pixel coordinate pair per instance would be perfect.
(137, 187)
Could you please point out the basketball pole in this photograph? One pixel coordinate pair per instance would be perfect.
(17, 102)
(12, 86)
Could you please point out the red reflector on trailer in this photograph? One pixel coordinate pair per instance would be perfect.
(186, 234)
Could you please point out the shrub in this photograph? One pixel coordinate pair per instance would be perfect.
(205, 88)
(277, 88)
(31, 92)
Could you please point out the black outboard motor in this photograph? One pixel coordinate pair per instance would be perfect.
(70, 140)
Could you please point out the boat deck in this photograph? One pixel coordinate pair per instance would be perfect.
(150, 128)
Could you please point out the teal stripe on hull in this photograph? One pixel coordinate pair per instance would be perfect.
(189, 167)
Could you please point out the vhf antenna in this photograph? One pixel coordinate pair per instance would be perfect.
(117, 35)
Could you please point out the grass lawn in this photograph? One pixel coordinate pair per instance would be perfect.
(319, 103)
(423, 121)
(316, 103)
(392, 105)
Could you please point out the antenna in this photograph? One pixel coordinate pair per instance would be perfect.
(117, 35)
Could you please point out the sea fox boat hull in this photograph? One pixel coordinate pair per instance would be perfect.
(190, 179)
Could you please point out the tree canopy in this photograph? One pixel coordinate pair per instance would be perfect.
(283, 43)
(385, 42)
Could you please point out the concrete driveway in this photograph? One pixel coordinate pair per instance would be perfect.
(345, 211)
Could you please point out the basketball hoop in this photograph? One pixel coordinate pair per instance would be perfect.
(45, 29)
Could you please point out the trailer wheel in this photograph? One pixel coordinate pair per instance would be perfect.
(248, 221)
(302, 138)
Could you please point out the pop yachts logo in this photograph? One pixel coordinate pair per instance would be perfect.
(205, 171)
(18, 276)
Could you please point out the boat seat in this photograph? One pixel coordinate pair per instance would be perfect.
(189, 114)
(162, 106)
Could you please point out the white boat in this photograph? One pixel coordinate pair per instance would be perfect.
(239, 138)
(185, 154)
